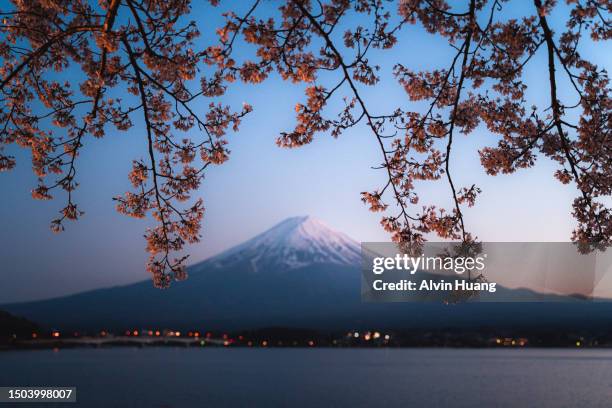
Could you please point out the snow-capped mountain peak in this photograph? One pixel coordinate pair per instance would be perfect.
(294, 243)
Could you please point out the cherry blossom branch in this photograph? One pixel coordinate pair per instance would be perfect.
(347, 77)
(466, 51)
(596, 212)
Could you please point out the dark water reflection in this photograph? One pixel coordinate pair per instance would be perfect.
(176, 377)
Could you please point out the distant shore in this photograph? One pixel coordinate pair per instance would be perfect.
(197, 342)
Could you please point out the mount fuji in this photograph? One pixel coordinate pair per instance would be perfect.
(294, 243)
(298, 274)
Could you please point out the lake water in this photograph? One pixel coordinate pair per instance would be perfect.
(214, 377)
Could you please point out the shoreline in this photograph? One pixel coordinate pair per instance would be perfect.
(124, 341)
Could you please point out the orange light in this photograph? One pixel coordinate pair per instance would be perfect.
(196, 334)
(190, 334)
(264, 343)
(103, 333)
(157, 333)
(34, 335)
(55, 334)
(226, 343)
(177, 334)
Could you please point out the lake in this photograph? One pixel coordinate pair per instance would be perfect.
(241, 377)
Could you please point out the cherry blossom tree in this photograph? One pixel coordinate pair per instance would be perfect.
(482, 84)
(147, 47)
(144, 48)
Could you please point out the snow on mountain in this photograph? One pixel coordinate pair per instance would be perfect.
(295, 242)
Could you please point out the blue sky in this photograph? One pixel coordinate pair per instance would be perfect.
(263, 184)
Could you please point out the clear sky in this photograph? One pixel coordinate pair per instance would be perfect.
(263, 184)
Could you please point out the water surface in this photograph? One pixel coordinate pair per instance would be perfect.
(213, 377)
